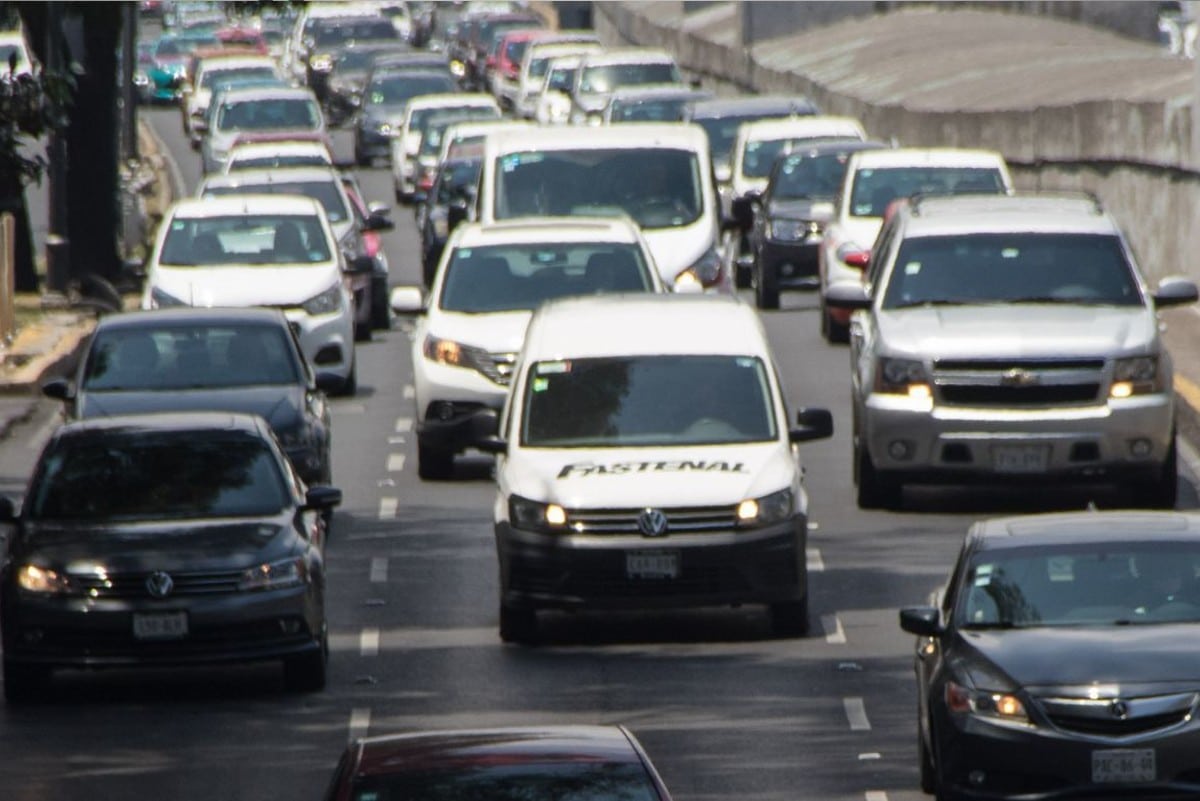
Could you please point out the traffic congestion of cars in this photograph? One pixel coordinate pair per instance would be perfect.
(586, 219)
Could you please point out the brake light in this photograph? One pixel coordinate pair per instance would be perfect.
(371, 243)
(853, 256)
(426, 182)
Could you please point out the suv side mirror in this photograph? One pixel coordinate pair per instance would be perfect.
(322, 497)
(59, 389)
(742, 210)
(1175, 291)
(378, 222)
(8, 510)
(360, 264)
(811, 424)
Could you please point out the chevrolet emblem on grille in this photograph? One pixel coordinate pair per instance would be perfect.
(159, 584)
(1017, 377)
(652, 522)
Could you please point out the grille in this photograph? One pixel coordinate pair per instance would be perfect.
(1018, 382)
(133, 585)
(625, 521)
(1037, 395)
(1117, 728)
(1140, 715)
(496, 367)
(1002, 365)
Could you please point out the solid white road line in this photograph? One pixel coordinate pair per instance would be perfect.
(395, 462)
(379, 568)
(403, 424)
(360, 722)
(876, 795)
(368, 642)
(856, 713)
(388, 507)
(834, 633)
(815, 563)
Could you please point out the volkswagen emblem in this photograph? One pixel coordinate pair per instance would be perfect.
(160, 584)
(1017, 377)
(652, 522)
(1119, 709)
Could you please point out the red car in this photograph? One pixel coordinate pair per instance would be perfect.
(551, 763)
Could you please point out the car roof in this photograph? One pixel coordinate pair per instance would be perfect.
(645, 325)
(165, 422)
(188, 315)
(546, 229)
(471, 128)
(942, 215)
(628, 55)
(269, 175)
(666, 91)
(452, 100)
(431, 750)
(928, 156)
(198, 208)
(755, 104)
(649, 134)
(234, 63)
(1067, 528)
(809, 126)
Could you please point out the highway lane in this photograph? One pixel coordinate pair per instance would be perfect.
(723, 709)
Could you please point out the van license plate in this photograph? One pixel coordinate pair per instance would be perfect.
(1123, 766)
(160, 626)
(652, 564)
(1021, 458)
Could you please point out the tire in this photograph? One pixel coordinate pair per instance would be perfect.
(518, 625)
(306, 672)
(789, 618)
(1163, 491)
(434, 464)
(350, 386)
(24, 684)
(766, 286)
(875, 490)
(360, 159)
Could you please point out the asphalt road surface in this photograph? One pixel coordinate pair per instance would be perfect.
(724, 710)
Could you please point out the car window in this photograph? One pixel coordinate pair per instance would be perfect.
(817, 177)
(248, 239)
(875, 188)
(326, 192)
(394, 89)
(268, 113)
(211, 77)
(454, 181)
(607, 77)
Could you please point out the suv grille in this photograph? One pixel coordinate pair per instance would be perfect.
(1018, 382)
(686, 520)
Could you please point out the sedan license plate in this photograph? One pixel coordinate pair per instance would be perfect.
(1021, 458)
(1123, 766)
(652, 564)
(160, 626)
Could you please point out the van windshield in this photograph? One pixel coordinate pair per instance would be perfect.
(657, 187)
(642, 401)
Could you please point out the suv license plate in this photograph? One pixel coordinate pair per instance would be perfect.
(160, 626)
(1021, 458)
(1123, 766)
(652, 564)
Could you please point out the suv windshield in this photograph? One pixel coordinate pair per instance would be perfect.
(398, 89)
(435, 125)
(1011, 268)
(247, 239)
(521, 277)
(657, 187)
(874, 189)
(268, 113)
(809, 177)
(760, 155)
(722, 131)
(211, 77)
(607, 77)
(660, 110)
(643, 401)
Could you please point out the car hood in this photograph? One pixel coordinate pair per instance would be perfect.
(246, 285)
(281, 406)
(616, 478)
(1071, 659)
(1026, 331)
(678, 248)
(143, 547)
(497, 332)
(801, 209)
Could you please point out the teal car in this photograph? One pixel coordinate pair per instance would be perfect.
(165, 64)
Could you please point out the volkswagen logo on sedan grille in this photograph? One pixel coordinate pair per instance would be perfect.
(652, 522)
(160, 584)
(1119, 709)
(1017, 377)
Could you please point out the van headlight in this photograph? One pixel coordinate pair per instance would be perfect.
(327, 302)
(1136, 376)
(706, 271)
(532, 515)
(766, 510)
(902, 377)
(274, 575)
(43, 580)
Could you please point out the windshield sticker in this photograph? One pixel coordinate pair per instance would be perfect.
(514, 160)
(553, 368)
(585, 469)
(982, 575)
(540, 384)
(747, 361)
(177, 225)
(912, 268)
(1010, 253)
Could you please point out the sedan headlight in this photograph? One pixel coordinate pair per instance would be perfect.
(321, 63)
(765, 510)
(327, 302)
(163, 300)
(275, 575)
(1137, 376)
(791, 230)
(706, 272)
(902, 377)
(985, 703)
(526, 514)
(43, 580)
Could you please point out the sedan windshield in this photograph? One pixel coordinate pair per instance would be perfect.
(607, 77)
(809, 177)
(521, 277)
(1093, 584)
(268, 113)
(647, 401)
(132, 475)
(395, 90)
(760, 155)
(875, 189)
(247, 239)
(518, 781)
(326, 192)
(1011, 268)
(657, 187)
(212, 77)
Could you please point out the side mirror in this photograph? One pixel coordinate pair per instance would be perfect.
(59, 389)
(456, 213)
(380, 208)
(1174, 291)
(419, 198)
(742, 210)
(811, 424)
(407, 300)
(921, 620)
(847, 295)
(378, 222)
(484, 426)
(322, 498)
(360, 264)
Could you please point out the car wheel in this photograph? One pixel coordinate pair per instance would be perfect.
(518, 624)
(876, 490)
(766, 285)
(434, 464)
(361, 159)
(1163, 491)
(24, 683)
(305, 673)
(789, 618)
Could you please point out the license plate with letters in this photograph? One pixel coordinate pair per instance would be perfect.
(1021, 458)
(1123, 766)
(652, 564)
(160, 626)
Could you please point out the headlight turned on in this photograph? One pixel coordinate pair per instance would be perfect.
(43, 580)
(531, 515)
(274, 575)
(765, 510)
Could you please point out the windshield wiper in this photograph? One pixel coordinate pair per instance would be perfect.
(942, 302)
(998, 624)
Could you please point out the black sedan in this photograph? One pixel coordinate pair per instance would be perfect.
(164, 540)
(194, 359)
(786, 222)
(1062, 662)
(548, 763)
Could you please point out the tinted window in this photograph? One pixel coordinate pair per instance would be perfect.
(398, 89)
(562, 79)
(211, 77)
(250, 239)
(560, 781)
(1011, 268)
(760, 155)
(648, 110)
(337, 31)
(326, 192)
(454, 179)
(296, 160)
(435, 126)
(268, 113)
(722, 131)
(875, 188)
(129, 475)
(812, 177)
(608, 77)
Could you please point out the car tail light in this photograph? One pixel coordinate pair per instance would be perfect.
(372, 242)
(854, 256)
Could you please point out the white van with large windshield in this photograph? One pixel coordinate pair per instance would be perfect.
(658, 174)
(653, 466)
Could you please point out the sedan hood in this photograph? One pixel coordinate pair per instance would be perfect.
(1059, 658)
(280, 406)
(246, 285)
(1044, 330)
(801, 209)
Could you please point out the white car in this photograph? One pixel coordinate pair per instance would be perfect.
(552, 102)
(212, 71)
(760, 144)
(263, 155)
(659, 174)
(406, 142)
(522, 96)
(653, 466)
(487, 285)
(875, 178)
(260, 250)
(602, 72)
(247, 113)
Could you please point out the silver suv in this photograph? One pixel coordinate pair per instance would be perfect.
(1009, 338)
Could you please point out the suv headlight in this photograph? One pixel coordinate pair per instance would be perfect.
(274, 575)
(321, 63)
(383, 128)
(327, 302)
(706, 272)
(163, 300)
(456, 354)
(985, 703)
(43, 580)
(1136, 376)
(791, 230)
(765, 510)
(531, 515)
(902, 377)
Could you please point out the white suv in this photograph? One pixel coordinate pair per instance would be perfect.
(1009, 338)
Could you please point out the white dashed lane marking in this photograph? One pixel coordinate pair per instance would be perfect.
(395, 462)
(388, 507)
(379, 570)
(815, 563)
(403, 424)
(834, 633)
(368, 642)
(856, 714)
(360, 722)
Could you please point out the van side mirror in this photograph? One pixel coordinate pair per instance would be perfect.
(811, 424)
(58, 389)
